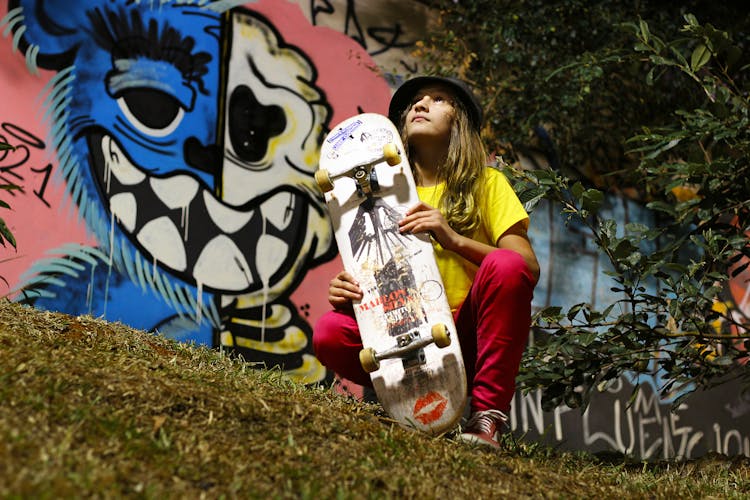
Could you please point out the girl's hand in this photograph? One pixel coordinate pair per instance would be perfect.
(342, 290)
(422, 218)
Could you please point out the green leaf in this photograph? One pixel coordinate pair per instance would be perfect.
(678, 55)
(650, 77)
(577, 190)
(608, 229)
(5, 232)
(691, 20)
(643, 26)
(573, 311)
(701, 56)
(591, 200)
(551, 314)
(545, 177)
(527, 195)
(661, 206)
(623, 249)
(586, 338)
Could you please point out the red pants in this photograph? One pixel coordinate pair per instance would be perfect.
(493, 327)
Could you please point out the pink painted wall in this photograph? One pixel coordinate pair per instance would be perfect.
(92, 252)
(40, 217)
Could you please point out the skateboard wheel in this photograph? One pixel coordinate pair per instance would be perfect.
(323, 178)
(391, 154)
(368, 360)
(440, 335)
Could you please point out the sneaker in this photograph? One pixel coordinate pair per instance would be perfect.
(485, 428)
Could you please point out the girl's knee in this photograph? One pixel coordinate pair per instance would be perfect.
(323, 335)
(507, 267)
(332, 332)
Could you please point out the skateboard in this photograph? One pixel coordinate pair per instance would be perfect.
(411, 349)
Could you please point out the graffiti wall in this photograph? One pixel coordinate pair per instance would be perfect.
(648, 427)
(166, 154)
(166, 151)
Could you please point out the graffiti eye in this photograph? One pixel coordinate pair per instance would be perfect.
(151, 111)
(252, 125)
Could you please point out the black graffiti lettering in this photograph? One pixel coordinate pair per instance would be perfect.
(11, 169)
(327, 8)
(20, 156)
(351, 18)
(387, 37)
(389, 42)
(413, 69)
(12, 192)
(11, 160)
(47, 171)
(23, 135)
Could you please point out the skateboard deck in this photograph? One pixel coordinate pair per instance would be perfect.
(410, 344)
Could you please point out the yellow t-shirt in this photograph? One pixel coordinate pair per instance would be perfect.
(500, 208)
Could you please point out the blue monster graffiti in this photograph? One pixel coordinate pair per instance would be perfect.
(187, 136)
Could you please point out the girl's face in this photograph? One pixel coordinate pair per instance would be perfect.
(431, 113)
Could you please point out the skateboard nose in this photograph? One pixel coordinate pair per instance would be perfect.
(251, 124)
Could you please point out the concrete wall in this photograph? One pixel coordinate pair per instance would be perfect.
(144, 201)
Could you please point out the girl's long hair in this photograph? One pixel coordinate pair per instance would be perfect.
(462, 172)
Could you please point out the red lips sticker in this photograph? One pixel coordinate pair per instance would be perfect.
(430, 408)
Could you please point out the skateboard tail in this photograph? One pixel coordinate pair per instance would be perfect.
(428, 399)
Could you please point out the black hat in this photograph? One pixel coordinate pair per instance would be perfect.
(404, 94)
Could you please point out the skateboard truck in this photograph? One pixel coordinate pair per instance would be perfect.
(363, 174)
(408, 346)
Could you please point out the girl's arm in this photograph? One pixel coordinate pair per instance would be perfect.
(516, 239)
(424, 218)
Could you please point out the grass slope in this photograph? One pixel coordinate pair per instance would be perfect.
(90, 408)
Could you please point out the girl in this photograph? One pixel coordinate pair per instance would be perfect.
(478, 228)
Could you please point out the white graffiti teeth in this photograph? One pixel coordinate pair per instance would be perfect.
(279, 210)
(222, 265)
(161, 238)
(221, 231)
(117, 164)
(227, 218)
(125, 208)
(175, 192)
